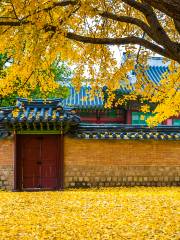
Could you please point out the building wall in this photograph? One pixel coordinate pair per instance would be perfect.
(121, 162)
(107, 163)
(7, 164)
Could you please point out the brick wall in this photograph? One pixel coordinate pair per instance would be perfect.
(108, 163)
(6, 163)
(119, 163)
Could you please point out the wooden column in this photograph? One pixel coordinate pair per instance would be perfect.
(169, 122)
(129, 117)
(15, 161)
(61, 162)
(61, 156)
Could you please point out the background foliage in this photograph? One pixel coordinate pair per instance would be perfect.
(62, 75)
(82, 32)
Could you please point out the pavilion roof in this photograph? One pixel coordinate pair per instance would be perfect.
(154, 73)
(83, 100)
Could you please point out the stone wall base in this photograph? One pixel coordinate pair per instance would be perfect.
(121, 183)
(7, 163)
(6, 177)
(122, 176)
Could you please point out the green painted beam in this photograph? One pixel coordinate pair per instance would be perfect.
(39, 132)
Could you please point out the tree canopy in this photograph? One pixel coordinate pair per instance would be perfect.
(33, 33)
(62, 75)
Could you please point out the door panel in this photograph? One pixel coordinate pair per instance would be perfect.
(39, 157)
(30, 154)
(48, 168)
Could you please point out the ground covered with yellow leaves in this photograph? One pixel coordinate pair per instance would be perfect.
(117, 213)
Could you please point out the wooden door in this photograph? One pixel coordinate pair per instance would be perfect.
(39, 162)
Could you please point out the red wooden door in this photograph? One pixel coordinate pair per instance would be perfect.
(30, 154)
(49, 156)
(39, 157)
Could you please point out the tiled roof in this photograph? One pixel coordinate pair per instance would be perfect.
(51, 116)
(34, 112)
(127, 132)
(3, 132)
(82, 99)
(154, 73)
(131, 135)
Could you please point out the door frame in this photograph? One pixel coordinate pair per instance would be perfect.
(18, 178)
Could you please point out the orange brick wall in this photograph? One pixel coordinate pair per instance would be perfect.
(121, 162)
(107, 163)
(6, 163)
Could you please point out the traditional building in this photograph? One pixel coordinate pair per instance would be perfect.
(78, 143)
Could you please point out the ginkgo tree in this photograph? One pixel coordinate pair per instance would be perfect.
(33, 33)
(62, 75)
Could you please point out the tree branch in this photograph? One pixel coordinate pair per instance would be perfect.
(159, 33)
(13, 24)
(27, 79)
(145, 28)
(137, 5)
(139, 50)
(14, 10)
(177, 25)
(61, 4)
(54, 5)
(169, 7)
(120, 41)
